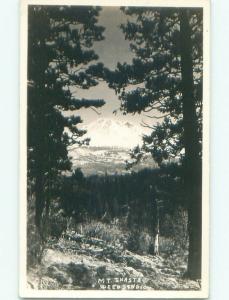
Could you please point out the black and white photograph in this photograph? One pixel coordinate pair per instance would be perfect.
(114, 170)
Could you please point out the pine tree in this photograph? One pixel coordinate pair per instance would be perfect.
(60, 58)
(166, 74)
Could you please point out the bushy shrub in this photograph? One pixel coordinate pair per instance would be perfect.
(166, 245)
(53, 224)
(110, 233)
(174, 231)
(139, 241)
(54, 221)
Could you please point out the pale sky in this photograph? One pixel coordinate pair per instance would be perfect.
(113, 49)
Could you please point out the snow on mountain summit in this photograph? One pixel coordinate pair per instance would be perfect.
(114, 133)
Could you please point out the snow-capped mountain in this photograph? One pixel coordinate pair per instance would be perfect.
(111, 141)
(105, 132)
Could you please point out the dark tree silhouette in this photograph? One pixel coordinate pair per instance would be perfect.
(59, 58)
(167, 73)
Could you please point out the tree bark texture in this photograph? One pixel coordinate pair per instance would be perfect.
(193, 162)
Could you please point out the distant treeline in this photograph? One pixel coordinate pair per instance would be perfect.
(136, 196)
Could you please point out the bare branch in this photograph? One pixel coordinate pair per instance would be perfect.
(79, 69)
(148, 109)
(155, 117)
(143, 124)
(99, 79)
(98, 113)
(151, 108)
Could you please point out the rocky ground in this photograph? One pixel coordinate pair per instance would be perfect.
(79, 262)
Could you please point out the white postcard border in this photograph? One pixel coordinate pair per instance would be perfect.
(24, 291)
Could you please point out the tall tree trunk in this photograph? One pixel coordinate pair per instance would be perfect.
(39, 200)
(192, 164)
